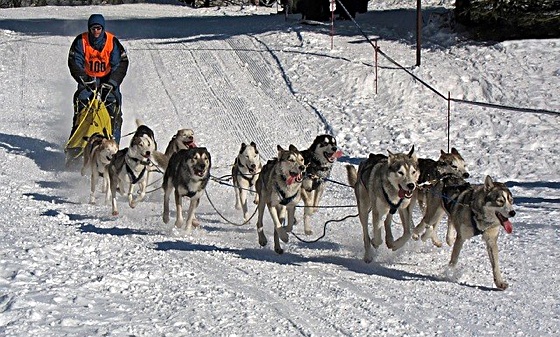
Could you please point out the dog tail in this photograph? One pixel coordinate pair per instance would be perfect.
(352, 175)
(161, 159)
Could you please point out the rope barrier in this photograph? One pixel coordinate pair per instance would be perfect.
(488, 105)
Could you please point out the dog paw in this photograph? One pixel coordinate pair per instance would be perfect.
(282, 234)
(502, 285)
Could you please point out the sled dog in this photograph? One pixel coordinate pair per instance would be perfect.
(478, 210)
(278, 187)
(245, 172)
(384, 185)
(429, 191)
(183, 139)
(98, 153)
(129, 167)
(319, 159)
(187, 174)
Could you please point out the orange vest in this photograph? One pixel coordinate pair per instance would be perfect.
(97, 62)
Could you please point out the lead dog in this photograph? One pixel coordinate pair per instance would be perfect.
(384, 185)
(319, 159)
(245, 172)
(429, 191)
(278, 187)
(129, 167)
(187, 174)
(98, 153)
(478, 210)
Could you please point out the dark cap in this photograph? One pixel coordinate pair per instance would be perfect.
(96, 19)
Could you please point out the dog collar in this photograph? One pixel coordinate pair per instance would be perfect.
(392, 207)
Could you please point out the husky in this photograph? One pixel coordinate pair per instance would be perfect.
(278, 187)
(98, 153)
(245, 172)
(478, 210)
(385, 185)
(188, 173)
(429, 191)
(129, 167)
(183, 139)
(319, 159)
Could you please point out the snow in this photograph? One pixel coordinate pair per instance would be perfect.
(68, 268)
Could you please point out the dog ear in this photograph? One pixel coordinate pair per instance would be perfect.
(488, 183)
(411, 152)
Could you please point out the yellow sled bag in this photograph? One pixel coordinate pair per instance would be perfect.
(93, 118)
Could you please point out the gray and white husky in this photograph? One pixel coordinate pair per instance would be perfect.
(129, 167)
(187, 173)
(98, 153)
(385, 185)
(245, 172)
(429, 191)
(279, 189)
(183, 139)
(319, 159)
(478, 210)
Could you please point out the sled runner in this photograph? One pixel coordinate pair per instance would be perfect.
(93, 118)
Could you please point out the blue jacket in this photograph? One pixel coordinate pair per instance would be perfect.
(119, 60)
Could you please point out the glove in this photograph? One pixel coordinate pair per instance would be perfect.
(89, 82)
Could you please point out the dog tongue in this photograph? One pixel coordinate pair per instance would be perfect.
(508, 227)
(291, 179)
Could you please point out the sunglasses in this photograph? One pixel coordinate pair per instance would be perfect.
(94, 28)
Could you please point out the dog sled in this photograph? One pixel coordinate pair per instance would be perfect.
(93, 118)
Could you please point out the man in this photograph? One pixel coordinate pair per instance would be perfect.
(97, 57)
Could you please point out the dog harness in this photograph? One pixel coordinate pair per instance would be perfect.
(97, 63)
(249, 179)
(317, 173)
(285, 200)
(392, 207)
(477, 231)
(134, 179)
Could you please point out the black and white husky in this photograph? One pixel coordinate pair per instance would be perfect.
(278, 187)
(187, 173)
(129, 167)
(319, 159)
(245, 172)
